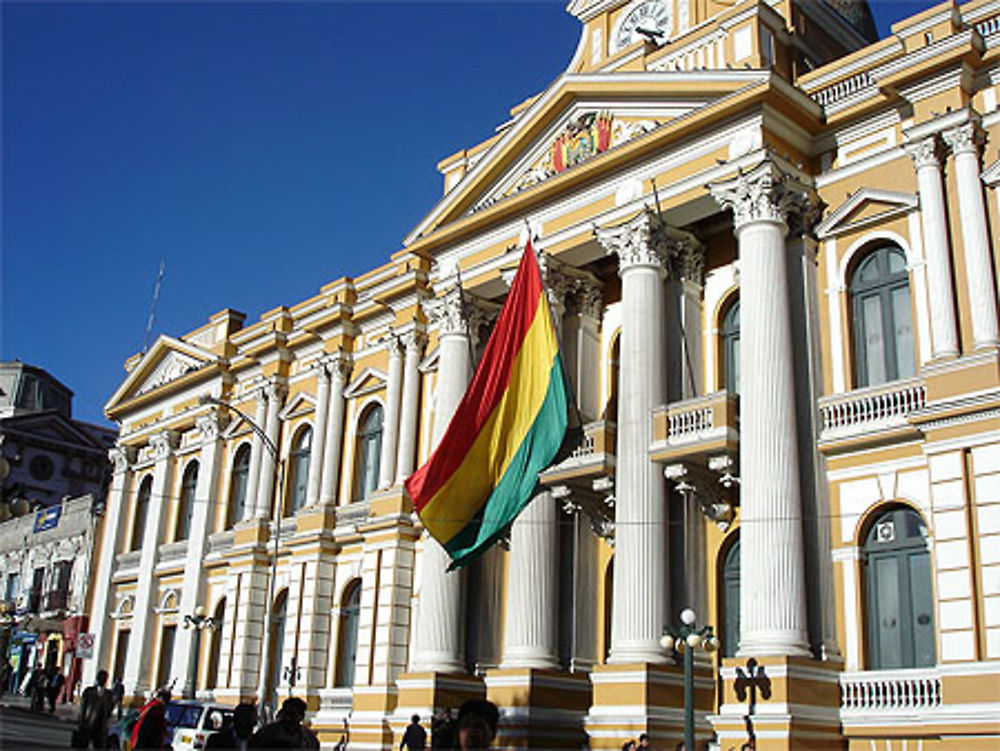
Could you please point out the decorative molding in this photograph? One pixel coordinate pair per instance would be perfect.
(645, 241)
(837, 220)
(122, 458)
(924, 153)
(163, 444)
(965, 139)
(210, 425)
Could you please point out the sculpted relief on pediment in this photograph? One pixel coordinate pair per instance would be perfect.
(171, 367)
(583, 137)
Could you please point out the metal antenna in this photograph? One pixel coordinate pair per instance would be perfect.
(680, 322)
(152, 307)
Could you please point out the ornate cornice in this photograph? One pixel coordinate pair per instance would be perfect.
(768, 193)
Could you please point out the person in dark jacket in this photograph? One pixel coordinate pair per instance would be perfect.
(95, 709)
(477, 724)
(237, 733)
(150, 731)
(287, 731)
(415, 737)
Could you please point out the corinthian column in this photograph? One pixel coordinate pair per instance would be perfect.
(114, 522)
(772, 559)
(438, 632)
(275, 393)
(531, 616)
(640, 585)
(321, 414)
(193, 593)
(140, 646)
(414, 342)
(257, 449)
(390, 436)
(341, 369)
(965, 141)
(944, 330)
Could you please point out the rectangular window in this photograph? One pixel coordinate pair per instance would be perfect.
(166, 655)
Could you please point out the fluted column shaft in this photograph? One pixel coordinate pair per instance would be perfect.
(934, 222)
(640, 583)
(438, 638)
(531, 615)
(390, 435)
(772, 557)
(410, 406)
(334, 429)
(140, 646)
(114, 523)
(964, 142)
(257, 450)
(205, 504)
(321, 413)
(267, 482)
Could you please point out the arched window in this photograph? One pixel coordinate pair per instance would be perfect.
(882, 324)
(298, 479)
(900, 601)
(215, 645)
(185, 506)
(369, 447)
(731, 601)
(731, 349)
(236, 509)
(347, 643)
(141, 512)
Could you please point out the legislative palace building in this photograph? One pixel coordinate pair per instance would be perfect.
(769, 243)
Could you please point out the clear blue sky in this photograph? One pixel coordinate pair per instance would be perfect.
(259, 149)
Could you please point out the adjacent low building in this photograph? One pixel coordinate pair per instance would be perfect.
(770, 247)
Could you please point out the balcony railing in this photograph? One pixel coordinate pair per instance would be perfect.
(870, 411)
(704, 425)
(592, 458)
(889, 692)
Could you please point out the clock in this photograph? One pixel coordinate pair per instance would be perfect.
(652, 16)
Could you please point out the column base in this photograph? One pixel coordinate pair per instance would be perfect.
(630, 699)
(542, 708)
(796, 705)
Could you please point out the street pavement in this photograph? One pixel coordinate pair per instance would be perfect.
(24, 730)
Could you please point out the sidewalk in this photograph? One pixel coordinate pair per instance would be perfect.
(63, 713)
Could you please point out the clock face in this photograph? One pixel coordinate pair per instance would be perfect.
(652, 15)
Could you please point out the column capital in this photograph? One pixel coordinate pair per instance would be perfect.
(274, 389)
(589, 300)
(638, 243)
(966, 138)
(414, 341)
(456, 312)
(767, 193)
(121, 458)
(340, 364)
(925, 152)
(210, 425)
(163, 443)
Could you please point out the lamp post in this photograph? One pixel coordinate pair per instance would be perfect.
(686, 640)
(199, 622)
(279, 468)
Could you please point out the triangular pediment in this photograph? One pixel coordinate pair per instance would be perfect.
(166, 361)
(366, 382)
(863, 207)
(300, 403)
(581, 119)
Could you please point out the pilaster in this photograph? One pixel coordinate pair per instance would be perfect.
(319, 432)
(390, 429)
(414, 342)
(340, 365)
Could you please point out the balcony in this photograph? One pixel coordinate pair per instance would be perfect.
(870, 416)
(885, 697)
(696, 429)
(592, 460)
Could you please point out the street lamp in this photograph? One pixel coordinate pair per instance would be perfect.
(199, 622)
(279, 467)
(686, 640)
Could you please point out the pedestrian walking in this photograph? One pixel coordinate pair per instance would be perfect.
(415, 737)
(95, 709)
(56, 681)
(287, 730)
(117, 694)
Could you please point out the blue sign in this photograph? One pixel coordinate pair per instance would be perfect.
(47, 518)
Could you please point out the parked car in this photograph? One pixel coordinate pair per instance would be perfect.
(189, 725)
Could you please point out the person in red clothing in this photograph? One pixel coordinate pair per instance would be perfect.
(150, 731)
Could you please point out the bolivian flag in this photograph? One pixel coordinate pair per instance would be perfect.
(508, 427)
